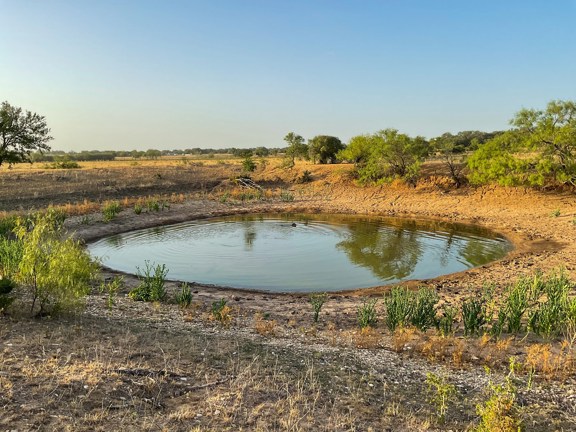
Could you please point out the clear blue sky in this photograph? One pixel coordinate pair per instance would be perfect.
(219, 73)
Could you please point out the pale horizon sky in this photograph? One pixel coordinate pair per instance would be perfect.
(123, 75)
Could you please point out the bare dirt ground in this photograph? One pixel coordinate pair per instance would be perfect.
(142, 366)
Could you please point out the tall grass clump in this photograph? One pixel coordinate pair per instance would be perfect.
(184, 296)
(10, 256)
(152, 280)
(552, 313)
(405, 307)
(474, 315)
(110, 210)
(367, 314)
(519, 298)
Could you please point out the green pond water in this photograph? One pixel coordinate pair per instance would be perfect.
(303, 253)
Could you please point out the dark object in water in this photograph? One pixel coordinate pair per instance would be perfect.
(293, 224)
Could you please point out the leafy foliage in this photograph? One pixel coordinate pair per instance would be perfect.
(539, 150)
(297, 148)
(323, 148)
(385, 155)
(405, 307)
(21, 133)
(57, 270)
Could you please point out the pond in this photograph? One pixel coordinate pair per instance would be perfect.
(303, 252)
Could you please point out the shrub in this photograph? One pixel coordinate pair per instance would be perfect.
(248, 164)
(367, 314)
(423, 310)
(110, 210)
(520, 297)
(184, 297)
(152, 280)
(317, 301)
(138, 209)
(57, 270)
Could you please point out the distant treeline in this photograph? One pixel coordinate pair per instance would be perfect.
(108, 155)
(462, 141)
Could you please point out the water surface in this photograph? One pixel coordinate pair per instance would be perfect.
(303, 253)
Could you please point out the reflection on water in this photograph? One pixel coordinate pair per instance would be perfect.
(292, 252)
(389, 252)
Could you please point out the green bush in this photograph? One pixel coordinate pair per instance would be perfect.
(398, 306)
(152, 280)
(57, 270)
(248, 165)
(111, 288)
(446, 321)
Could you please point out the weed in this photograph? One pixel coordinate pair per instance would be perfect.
(405, 307)
(221, 312)
(317, 301)
(423, 310)
(263, 325)
(367, 338)
(152, 281)
(286, 196)
(306, 177)
(138, 208)
(224, 198)
(111, 289)
(474, 315)
(110, 210)
(518, 300)
(397, 305)
(555, 213)
(440, 393)
(446, 321)
(500, 411)
(367, 314)
(86, 220)
(184, 297)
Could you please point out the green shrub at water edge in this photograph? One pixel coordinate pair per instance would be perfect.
(184, 297)
(56, 270)
(152, 280)
(474, 315)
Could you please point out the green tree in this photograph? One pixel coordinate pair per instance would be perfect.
(386, 154)
(324, 148)
(21, 133)
(57, 270)
(297, 148)
(539, 150)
